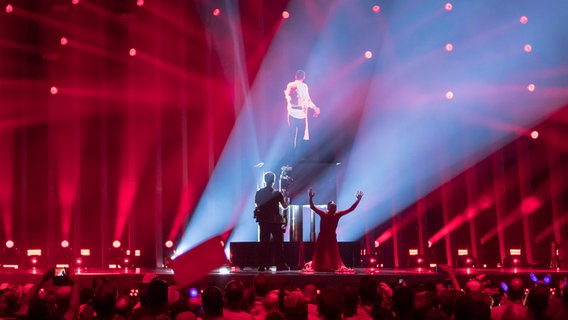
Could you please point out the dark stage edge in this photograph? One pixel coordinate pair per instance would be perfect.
(132, 278)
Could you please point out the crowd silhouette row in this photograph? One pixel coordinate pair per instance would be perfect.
(368, 298)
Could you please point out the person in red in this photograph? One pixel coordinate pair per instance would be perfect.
(326, 252)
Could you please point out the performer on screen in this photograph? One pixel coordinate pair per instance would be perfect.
(326, 252)
(297, 103)
(267, 214)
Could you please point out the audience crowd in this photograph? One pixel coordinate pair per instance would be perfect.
(368, 298)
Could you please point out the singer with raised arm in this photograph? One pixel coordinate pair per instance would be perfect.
(267, 213)
(298, 102)
(326, 252)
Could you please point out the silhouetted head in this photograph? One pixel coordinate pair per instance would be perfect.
(516, 289)
(269, 178)
(212, 302)
(537, 300)
(331, 207)
(261, 284)
(234, 292)
(300, 75)
(331, 304)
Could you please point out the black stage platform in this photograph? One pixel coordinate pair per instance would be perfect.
(132, 278)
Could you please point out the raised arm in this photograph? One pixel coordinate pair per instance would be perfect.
(312, 206)
(359, 195)
(33, 294)
(73, 310)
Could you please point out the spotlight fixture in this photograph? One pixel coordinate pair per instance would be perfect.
(115, 255)
(514, 259)
(466, 261)
(10, 255)
(370, 261)
(168, 253)
(417, 261)
(34, 258)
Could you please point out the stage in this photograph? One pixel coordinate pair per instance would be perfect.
(128, 279)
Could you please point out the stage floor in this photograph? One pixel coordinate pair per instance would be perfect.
(131, 278)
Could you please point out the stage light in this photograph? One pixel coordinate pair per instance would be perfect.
(449, 47)
(466, 261)
(34, 252)
(126, 262)
(528, 48)
(420, 260)
(531, 87)
(134, 293)
(216, 12)
(82, 260)
(449, 95)
(377, 244)
(10, 256)
(34, 261)
(168, 253)
(376, 9)
(64, 41)
(9, 8)
(524, 19)
(78, 262)
(370, 261)
(530, 205)
(417, 261)
(514, 259)
(34, 258)
(53, 90)
(534, 134)
(63, 255)
(449, 6)
(463, 252)
(368, 54)
(285, 14)
(116, 255)
(140, 3)
(132, 52)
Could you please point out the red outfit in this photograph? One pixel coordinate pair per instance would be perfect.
(326, 252)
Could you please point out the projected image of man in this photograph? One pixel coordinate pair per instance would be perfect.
(298, 102)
